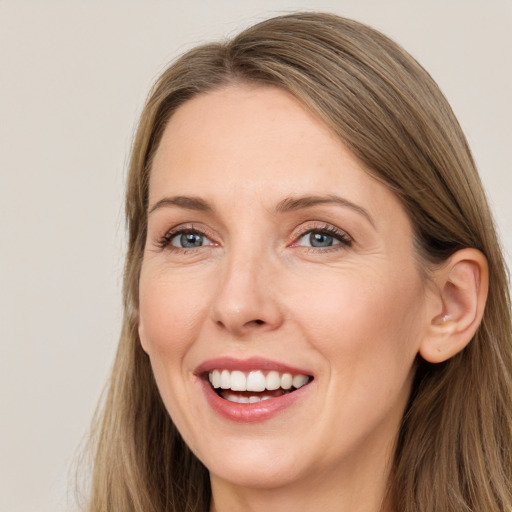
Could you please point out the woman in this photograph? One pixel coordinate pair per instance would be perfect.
(316, 306)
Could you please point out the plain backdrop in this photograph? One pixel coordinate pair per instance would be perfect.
(73, 78)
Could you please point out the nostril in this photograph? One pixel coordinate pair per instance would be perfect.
(255, 322)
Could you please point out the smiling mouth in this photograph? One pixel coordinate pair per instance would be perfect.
(254, 386)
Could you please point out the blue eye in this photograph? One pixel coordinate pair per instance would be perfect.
(318, 239)
(324, 238)
(189, 240)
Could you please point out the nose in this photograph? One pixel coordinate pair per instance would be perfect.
(246, 301)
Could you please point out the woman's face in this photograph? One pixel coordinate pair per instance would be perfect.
(274, 260)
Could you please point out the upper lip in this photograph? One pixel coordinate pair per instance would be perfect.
(246, 365)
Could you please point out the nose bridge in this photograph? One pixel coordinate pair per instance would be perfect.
(245, 300)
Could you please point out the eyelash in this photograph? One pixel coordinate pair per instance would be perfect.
(339, 235)
(325, 229)
(166, 241)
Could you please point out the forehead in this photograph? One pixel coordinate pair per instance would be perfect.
(256, 142)
(246, 120)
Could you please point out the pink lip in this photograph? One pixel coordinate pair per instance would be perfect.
(246, 365)
(248, 413)
(251, 413)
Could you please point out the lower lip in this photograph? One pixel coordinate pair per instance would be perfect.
(251, 413)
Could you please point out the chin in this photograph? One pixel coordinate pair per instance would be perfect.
(263, 472)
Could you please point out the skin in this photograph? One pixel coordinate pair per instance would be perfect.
(353, 314)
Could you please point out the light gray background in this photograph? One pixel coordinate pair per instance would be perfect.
(73, 77)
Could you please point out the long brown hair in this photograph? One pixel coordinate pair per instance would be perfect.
(454, 451)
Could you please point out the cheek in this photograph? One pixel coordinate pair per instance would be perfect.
(368, 326)
(169, 318)
(169, 314)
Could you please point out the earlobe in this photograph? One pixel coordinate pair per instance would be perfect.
(462, 285)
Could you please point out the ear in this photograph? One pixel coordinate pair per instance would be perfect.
(461, 292)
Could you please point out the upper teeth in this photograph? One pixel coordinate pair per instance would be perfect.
(255, 380)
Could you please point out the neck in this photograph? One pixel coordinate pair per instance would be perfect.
(355, 490)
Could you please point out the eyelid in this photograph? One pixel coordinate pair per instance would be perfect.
(164, 242)
(341, 235)
(179, 235)
(345, 239)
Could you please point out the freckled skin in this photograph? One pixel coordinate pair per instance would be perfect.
(352, 314)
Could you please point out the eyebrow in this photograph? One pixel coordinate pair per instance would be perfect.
(298, 203)
(286, 205)
(186, 202)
